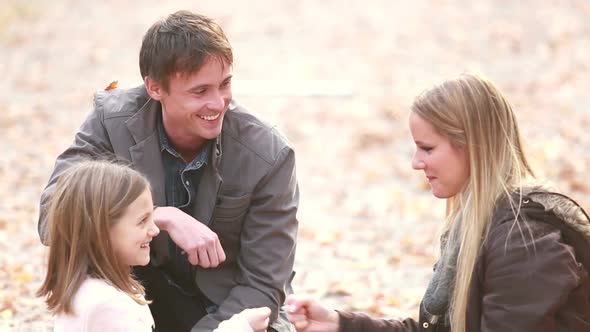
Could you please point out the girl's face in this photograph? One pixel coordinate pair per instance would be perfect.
(132, 233)
(446, 166)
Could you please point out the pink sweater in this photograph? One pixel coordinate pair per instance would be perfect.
(99, 306)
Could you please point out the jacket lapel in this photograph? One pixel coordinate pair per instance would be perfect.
(147, 159)
(209, 186)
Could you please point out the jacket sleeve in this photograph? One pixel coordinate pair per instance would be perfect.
(358, 322)
(267, 245)
(528, 274)
(90, 141)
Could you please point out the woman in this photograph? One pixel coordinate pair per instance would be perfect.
(514, 257)
(101, 224)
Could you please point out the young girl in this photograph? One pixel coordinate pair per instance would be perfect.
(100, 225)
(514, 257)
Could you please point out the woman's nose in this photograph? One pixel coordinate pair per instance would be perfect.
(417, 163)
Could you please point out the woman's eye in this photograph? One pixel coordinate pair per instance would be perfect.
(426, 148)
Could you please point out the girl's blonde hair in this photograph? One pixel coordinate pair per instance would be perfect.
(473, 114)
(89, 198)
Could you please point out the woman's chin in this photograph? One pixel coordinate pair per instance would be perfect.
(440, 194)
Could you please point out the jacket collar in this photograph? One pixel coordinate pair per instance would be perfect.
(565, 208)
(144, 122)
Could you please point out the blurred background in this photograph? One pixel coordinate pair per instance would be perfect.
(337, 77)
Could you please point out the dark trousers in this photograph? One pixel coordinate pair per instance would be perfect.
(173, 309)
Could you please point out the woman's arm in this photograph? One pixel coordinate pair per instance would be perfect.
(308, 315)
(350, 322)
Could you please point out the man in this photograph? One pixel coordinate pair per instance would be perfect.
(223, 182)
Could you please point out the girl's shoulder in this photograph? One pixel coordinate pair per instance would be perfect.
(99, 304)
(95, 291)
(95, 295)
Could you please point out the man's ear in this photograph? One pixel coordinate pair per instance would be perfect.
(154, 89)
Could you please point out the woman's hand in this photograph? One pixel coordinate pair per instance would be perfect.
(308, 315)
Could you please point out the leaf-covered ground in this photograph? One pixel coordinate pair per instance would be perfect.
(337, 77)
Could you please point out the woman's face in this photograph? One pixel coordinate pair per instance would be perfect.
(132, 233)
(446, 166)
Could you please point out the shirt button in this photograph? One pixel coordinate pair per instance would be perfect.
(425, 325)
(186, 182)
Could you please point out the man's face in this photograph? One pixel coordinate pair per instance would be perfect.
(195, 104)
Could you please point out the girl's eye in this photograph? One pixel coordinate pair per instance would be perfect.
(426, 148)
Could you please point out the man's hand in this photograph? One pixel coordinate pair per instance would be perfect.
(308, 315)
(199, 242)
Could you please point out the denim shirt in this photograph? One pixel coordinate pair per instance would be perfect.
(182, 181)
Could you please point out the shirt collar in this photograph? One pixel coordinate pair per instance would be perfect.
(201, 158)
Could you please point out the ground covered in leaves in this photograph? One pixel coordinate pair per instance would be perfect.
(337, 77)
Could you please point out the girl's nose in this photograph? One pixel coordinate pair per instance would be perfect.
(154, 230)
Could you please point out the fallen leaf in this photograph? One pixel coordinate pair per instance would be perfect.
(393, 301)
(111, 86)
(6, 314)
(24, 276)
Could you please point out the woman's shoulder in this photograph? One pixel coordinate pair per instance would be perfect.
(535, 215)
(534, 260)
(539, 204)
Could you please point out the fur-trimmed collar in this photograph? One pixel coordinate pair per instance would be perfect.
(568, 210)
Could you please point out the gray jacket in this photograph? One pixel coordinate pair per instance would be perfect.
(248, 195)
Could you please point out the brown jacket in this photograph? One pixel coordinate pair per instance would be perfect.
(522, 282)
(248, 195)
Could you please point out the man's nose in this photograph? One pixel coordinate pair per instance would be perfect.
(217, 102)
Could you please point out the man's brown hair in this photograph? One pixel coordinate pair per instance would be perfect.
(181, 43)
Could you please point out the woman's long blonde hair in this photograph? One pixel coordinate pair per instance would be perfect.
(473, 114)
(88, 199)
